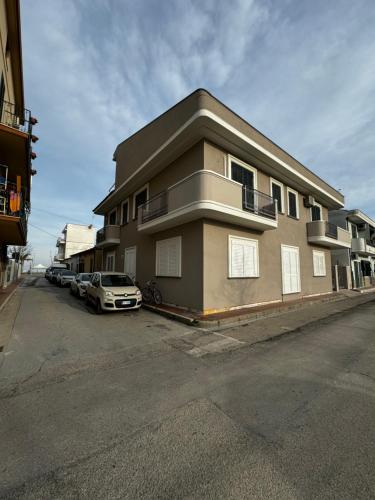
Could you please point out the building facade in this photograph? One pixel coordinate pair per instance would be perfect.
(360, 258)
(217, 213)
(15, 138)
(75, 238)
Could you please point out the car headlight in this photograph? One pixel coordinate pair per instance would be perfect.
(138, 292)
(108, 294)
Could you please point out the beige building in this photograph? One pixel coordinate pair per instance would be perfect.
(360, 257)
(15, 138)
(220, 215)
(75, 238)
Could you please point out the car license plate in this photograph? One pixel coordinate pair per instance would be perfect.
(125, 302)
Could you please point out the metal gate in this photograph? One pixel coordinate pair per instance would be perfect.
(343, 277)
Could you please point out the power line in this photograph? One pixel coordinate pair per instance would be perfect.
(43, 230)
(60, 215)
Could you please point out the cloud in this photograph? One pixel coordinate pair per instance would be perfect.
(301, 72)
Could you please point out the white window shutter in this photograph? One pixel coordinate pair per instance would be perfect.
(168, 257)
(243, 258)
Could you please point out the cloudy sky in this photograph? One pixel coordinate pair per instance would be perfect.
(303, 72)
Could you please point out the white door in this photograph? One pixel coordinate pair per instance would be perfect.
(110, 261)
(290, 269)
(130, 263)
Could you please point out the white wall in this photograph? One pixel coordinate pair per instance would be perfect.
(78, 238)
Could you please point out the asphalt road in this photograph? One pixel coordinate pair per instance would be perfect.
(111, 407)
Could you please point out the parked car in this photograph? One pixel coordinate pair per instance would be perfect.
(55, 267)
(79, 284)
(110, 291)
(65, 277)
(53, 275)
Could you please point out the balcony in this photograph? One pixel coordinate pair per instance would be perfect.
(329, 235)
(13, 214)
(362, 246)
(206, 194)
(60, 242)
(15, 136)
(108, 236)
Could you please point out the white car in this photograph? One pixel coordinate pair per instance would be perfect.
(79, 284)
(65, 277)
(110, 291)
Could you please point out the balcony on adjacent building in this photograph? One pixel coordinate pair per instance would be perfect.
(326, 234)
(13, 214)
(207, 194)
(363, 246)
(60, 242)
(108, 236)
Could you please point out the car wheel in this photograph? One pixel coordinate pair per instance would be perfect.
(98, 309)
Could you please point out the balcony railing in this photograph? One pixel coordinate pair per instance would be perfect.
(154, 207)
(207, 194)
(14, 117)
(331, 230)
(13, 204)
(258, 202)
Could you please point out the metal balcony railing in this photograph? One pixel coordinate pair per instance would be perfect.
(154, 207)
(100, 235)
(258, 202)
(331, 230)
(14, 117)
(13, 204)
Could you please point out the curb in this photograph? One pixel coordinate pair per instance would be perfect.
(177, 317)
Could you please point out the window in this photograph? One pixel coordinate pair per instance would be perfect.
(316, 212)
(110, 261)
(168, 257)
(125, 212)
(140, 197)
(319, 263)
(277, 193)
(354, 230)
(243, 258)
(243, 173)
(293, 203)
(112, 219)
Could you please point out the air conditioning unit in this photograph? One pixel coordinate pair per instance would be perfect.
(308, 201)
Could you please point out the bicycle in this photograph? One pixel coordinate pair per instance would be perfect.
(151, 294)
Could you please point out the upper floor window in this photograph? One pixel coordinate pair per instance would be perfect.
(277, 193)
(354, 230)
(242, 173)
(112, 219)
(140, 197)
(125, 212)
(293, 203)
(316, 212)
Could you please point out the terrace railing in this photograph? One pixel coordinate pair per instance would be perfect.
(12, 116)
(259, 203)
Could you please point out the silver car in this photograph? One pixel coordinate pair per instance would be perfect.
(79, 284)
(64, 277)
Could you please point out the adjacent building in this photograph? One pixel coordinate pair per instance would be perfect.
(220, 215)
(15, 138)
(360, 257)
(75, 238)
(86, 261)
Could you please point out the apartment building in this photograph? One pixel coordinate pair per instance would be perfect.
(15, 138)
(360, 257)
(215, 211)
(75, 238)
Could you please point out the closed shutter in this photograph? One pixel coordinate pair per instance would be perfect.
(130, 262)
(243, 258)
(168, 257)
(290, 269)
(319, 263)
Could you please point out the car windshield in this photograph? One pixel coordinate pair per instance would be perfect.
(85, 277)
(68, 273)
(116, 280)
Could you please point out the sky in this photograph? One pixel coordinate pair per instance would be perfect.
(95, 71)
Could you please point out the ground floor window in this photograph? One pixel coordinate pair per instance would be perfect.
(243, 258)
(110, 262)
(168, 257)
(319, 263)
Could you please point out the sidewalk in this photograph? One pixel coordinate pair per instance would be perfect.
(238, 317)
(6, 293)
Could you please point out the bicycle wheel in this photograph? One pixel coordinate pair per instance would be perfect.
(147, 295)
(157, 296)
